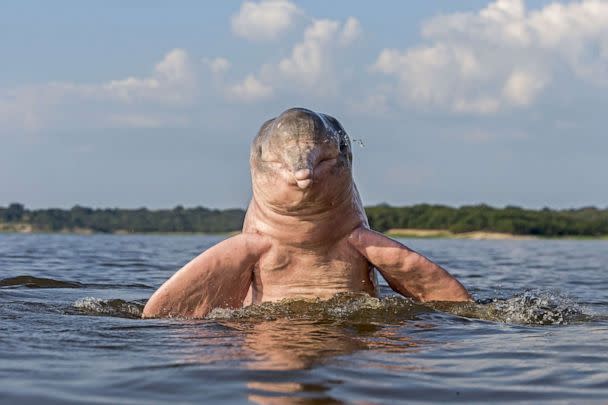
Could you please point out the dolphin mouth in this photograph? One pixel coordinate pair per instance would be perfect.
(303, 178)
(304, 184)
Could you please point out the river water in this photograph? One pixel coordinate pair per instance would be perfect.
(70, 333)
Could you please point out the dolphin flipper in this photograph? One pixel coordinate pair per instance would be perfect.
(218, 277)
(406, 271)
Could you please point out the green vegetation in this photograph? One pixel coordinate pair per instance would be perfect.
(114, 220)
(582, 222)
(588, 221)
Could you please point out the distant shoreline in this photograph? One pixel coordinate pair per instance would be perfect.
(478, 235)
(446, 234)
(416, 221)
(26, 229)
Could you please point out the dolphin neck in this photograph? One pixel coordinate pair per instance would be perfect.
(309, 210)
(310, 225)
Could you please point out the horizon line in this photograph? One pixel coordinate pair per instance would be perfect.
(382, 204)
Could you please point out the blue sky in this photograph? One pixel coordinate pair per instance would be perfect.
(155, 103)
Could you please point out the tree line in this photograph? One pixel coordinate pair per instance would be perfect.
(587, 221)
(110, 220)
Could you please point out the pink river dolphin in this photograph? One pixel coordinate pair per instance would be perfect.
(305, 234)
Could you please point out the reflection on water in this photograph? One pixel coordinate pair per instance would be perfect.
(270, 348)
(288, 345)
(294, 345)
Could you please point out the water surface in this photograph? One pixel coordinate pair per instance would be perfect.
(69, 308)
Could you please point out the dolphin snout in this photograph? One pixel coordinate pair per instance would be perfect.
(303, 178)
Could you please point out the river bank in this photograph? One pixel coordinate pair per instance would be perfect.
(446, 234)
(477, 235)
(416, 221)
(23, 228)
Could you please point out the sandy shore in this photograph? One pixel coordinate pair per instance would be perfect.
(17, 228)
(443, 233)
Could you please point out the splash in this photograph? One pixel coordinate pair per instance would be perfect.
(358, 142)
(112, 307)
(541, 308)
(343, 306)
(531, 307)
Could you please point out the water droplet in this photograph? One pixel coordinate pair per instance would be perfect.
(359, 142)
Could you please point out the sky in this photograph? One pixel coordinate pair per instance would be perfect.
(155, 103)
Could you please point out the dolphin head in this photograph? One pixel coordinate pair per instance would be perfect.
(300, 157)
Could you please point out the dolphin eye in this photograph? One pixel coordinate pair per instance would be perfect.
(273, 163)
(327, 160)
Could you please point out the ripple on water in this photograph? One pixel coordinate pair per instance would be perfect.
(27, 281)
(62, 347)
(37, 282)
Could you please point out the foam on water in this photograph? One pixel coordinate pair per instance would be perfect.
(533, 307)
(346, 306)
(112, 307)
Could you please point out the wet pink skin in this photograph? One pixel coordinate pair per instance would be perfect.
(305, 234)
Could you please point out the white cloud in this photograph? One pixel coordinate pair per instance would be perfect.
(171, 83)
(501, 57)
(250, 89)
(350, 32)
(521, 88)
(19, 109)
(218, 65)
(265, 20)
(310, 67)
(441, 75)
(309, 59)
(175, 66)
